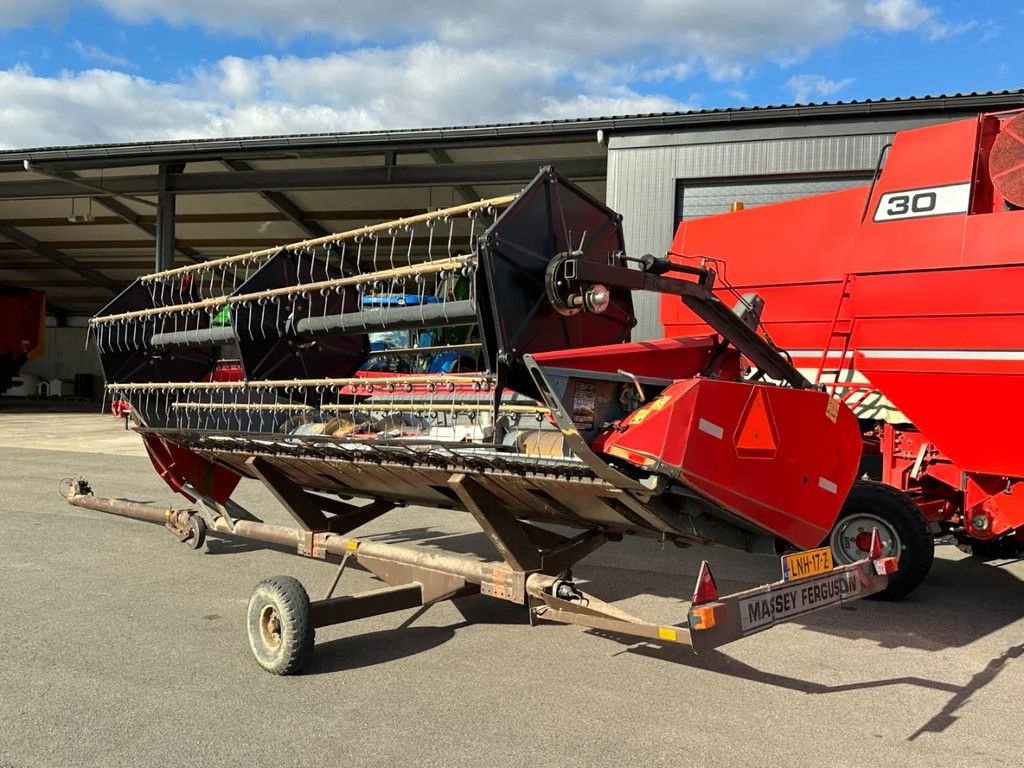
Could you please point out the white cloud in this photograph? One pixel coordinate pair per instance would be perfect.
(104, 106)
(936, 30)
(19, 13)
(679, 71)
(97, 55)
(815, 87)
(898, 14)
(363, 90)
(662, 30)
(626, 102)
(408, 64)
(901, 15)
(238, 78)
(725, 72)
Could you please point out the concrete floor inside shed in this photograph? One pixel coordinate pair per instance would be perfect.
(122, 648)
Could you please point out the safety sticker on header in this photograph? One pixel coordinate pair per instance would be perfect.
(756, 434)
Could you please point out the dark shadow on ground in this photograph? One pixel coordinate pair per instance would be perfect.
(406, 639)
(365, 650)
(715, 661)
(972, 597)
(225, 544)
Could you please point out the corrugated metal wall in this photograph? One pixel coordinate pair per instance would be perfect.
(703, 198)
(645, 172)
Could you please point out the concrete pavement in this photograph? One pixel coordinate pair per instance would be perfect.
(123, 648)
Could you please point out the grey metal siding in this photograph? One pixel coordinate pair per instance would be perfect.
(701, 198)
(643, 180)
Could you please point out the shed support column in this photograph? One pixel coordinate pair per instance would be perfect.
(165, 214)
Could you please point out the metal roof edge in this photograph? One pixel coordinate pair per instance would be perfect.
(570, 129)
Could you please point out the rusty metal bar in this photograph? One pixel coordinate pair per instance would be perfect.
(121, 508)
(501, 527)
(349, 519)
(337, 610)
(571, 551)
(588, 611)
(419, 576)
(299, 504)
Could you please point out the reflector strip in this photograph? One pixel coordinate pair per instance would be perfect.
(712, 429)
(827, 485)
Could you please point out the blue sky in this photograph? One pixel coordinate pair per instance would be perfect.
(136, 70)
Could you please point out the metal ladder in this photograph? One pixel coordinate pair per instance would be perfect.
(839, 337)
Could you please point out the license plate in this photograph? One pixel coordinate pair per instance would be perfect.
(802, 565)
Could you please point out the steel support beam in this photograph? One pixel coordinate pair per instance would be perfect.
(126, 214)
(115, 206)
(165, 218)
(59, 258)
(282, 203)
(338, 610)
(467, 192)
(501, 527)
(305, 511)
(129, 216)
(505, 172)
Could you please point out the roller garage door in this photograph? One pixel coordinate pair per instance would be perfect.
(701, 198)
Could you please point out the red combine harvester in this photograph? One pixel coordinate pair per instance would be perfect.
(22, 333)
(906, 299)
(564, 421)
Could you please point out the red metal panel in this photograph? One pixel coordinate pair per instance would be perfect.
(971, 413)
(178, 466)
(675, 358)
(792, 481)
(794, 242)
(938, 304)
(23, 312)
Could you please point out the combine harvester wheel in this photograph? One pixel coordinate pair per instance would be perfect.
(903, 530)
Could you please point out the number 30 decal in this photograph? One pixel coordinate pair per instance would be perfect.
(929, 201)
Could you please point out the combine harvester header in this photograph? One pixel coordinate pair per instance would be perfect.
(263, 366)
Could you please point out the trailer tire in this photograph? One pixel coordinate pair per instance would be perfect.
(907, 532)
(280, 625)
(197, 532)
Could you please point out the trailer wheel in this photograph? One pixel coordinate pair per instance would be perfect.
(197, 529)
(280, 625)
(902, 528)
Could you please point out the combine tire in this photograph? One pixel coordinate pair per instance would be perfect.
(280, 625)
(903, 529)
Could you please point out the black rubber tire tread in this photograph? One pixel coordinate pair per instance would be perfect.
(916, 540)
(298, 634)
(198, 527)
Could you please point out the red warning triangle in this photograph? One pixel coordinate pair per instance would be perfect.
(756, 432)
